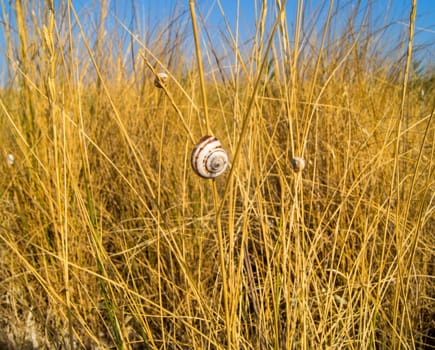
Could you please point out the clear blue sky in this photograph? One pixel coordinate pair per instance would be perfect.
(394, 12)
(150, 12)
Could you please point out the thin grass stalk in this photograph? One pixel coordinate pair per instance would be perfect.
(246, 118)
(199, 65)
(312, 105)
(115, 110)
(291, 91)
(222, 250)
(159, 238)
(287, 87)
(28, 113)
(164, 88)
(400, 293)
(173, 103)
(60, 146)
(418, 225)
(235, 41)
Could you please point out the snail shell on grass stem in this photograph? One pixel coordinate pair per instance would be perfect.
(160, 80)
(298, 164)
(209, 159)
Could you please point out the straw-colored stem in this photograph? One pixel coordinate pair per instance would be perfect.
(246, 118)
(173, 103)
(399, 295)
(222, 250)
(200, 67)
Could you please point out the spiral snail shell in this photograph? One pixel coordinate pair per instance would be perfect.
(160, 80)
(209, 159)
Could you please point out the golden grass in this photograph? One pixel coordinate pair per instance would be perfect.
(109, 240)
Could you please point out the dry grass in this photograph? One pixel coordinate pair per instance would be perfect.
(109, 240)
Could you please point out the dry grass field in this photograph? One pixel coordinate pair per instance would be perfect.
(109, 240)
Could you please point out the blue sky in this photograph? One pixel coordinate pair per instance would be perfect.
(395, 13)
(150, 12)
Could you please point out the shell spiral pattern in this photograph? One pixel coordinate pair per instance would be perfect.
(209, 159)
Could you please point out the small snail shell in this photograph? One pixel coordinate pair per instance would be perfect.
(11, 159)
(160, 80)
(298, 164)
(209, 159)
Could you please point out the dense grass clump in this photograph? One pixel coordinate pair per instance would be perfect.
(109, 240)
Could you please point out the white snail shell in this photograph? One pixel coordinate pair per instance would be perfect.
(11, 159)
(298, 164)
(160, 80)
(209, 159)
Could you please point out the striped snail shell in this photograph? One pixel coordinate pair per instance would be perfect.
(209, 159)
(160, 80)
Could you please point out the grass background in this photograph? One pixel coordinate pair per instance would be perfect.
(109, 240)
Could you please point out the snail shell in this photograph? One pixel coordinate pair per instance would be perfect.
(161, 80)
(298, 164)
(11, 159)
(209, 159)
